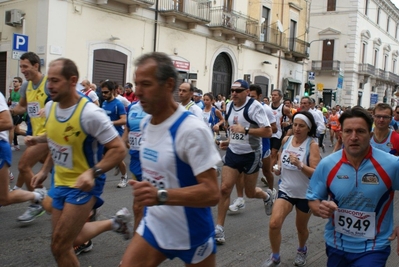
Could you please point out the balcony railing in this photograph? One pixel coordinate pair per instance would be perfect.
(297, 45)
(272, 36)
(196, 9)
(366, 69)
(393, 77)
(381, 74)
(144, 2)
(233, 21)
(326, 65)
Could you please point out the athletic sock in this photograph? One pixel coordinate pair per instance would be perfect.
(37, 197)
(304, 249)
(276, 256)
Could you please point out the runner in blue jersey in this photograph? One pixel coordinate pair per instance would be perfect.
(132, 138)
(354, 188)
(117, 114)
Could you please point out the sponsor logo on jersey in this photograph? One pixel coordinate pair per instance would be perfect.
(342, 176)
(150, 154)
(370, 178)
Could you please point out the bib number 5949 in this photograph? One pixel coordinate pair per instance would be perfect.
(354, 223)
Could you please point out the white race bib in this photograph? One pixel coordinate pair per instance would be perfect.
(13, 104)
(33, 109)
(238, 138)
(285, 162)
(157, 179)
(134, 140)
(62, 155)
(355, 223)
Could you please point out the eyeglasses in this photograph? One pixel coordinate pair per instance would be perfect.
(379, 117)
(105, 92)
(237, 90)
(15, 81)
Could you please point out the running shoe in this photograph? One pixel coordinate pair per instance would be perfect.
(271, 262)
(86, 247)
(10, 175)
(122, 220)
(122, 183)
(263, 179)
(116, 171)
(238, 204)
(31, 213)
(300, 258)
(93, 215)
(269, 203)
(15, 148)
(219, 235)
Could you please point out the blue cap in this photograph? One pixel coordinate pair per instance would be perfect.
(240, 83)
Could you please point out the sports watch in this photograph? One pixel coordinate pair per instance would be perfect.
(162, 196)
(246, 130)
(97, 172)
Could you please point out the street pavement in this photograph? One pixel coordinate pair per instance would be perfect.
(247, 243)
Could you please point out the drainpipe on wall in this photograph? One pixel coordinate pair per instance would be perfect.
(156, 26)
(279, 53)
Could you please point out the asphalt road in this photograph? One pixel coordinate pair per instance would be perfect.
(247, 242)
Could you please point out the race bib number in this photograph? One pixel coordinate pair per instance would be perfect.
(62, 155)
(13, 105)
(156, 178)
(33, 109)
(285, 162)
(355, 223)
(238, 138)
(134, 140)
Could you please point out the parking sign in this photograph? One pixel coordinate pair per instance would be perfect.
(20, 42)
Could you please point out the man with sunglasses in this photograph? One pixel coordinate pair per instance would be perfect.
(117, 114)
(384, 137)
(247, 123)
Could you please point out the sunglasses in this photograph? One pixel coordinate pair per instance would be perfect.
(237, 90)
(105, 92)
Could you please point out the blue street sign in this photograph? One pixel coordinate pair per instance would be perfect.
(373, 99)
(311, 76)
(20, 42)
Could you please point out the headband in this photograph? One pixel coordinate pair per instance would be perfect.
(305, 119)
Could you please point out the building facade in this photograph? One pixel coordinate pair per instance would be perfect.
(212, 43)
(356, 41)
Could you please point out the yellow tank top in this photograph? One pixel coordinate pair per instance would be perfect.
(67, 144)
(36, 99)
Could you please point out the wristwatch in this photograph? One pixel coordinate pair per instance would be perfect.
(97, 172)
(246, 130)
(162, 196)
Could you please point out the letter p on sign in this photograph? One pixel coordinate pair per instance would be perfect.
(20, 42)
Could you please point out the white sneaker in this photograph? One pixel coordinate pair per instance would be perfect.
(238, 204)
(269, 203)
(122, 219)
(122, 183)
(10, 175)
(43, 194)
(219, 235)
